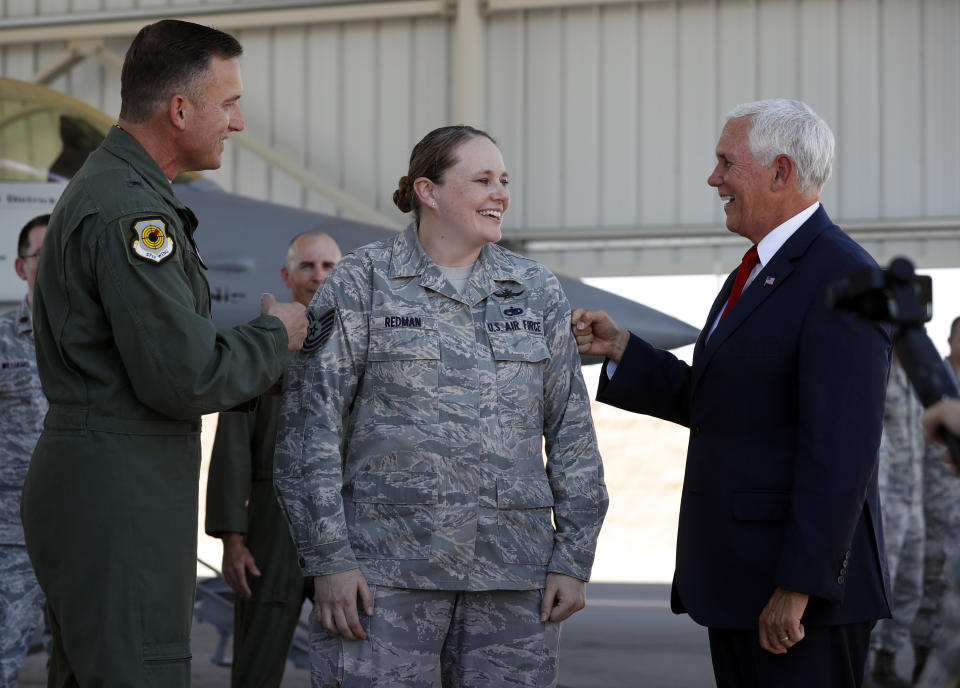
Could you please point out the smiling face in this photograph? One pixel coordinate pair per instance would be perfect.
(310, 259)
(473, 197)
(213, 113)
(746, 187)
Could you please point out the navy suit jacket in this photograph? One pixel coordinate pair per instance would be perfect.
(785, 404)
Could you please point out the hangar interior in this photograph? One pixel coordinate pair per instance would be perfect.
(607, 111)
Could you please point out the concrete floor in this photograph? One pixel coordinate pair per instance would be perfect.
(625, 638)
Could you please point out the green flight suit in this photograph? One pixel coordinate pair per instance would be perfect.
(241, 499)
(129, 361)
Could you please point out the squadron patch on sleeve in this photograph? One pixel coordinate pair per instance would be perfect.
(150, 240)
(320, 329)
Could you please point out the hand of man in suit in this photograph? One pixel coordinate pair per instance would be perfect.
(598, 334)
(780, 627)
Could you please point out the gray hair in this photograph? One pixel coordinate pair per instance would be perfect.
(791, 128)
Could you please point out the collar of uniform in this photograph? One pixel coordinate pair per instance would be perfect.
(24, 318)
(409, 259)
(127, 148)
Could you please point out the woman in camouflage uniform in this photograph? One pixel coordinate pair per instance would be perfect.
(410, 457)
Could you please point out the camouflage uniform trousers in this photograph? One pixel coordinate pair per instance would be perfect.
(903, 532)
(434, 638)
(941, 514)
(943, 666)
(21, 611)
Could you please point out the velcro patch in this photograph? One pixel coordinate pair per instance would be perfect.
(320, 329)
(150, 241)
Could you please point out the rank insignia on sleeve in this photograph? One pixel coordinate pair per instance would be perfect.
(320, 329)
(151, 241)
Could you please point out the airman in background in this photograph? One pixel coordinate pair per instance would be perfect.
(259, 557)
(22, 407)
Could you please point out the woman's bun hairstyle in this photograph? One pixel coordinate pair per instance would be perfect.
(431, 158)
(402, 197)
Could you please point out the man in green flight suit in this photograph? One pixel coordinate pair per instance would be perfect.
(242, 508)
(129, 361)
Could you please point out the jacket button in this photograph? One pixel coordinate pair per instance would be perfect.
(843, 571)
(840, 579)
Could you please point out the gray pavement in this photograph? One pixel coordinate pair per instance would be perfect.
(625, 638)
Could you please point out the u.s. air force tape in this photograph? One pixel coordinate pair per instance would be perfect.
(320, 329)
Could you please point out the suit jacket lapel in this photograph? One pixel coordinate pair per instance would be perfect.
(718, 303)
(768, 280)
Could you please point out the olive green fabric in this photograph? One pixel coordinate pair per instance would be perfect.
(129, 361)
(262, 633)
(241, 499)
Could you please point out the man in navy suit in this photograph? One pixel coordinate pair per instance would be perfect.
(780, 546)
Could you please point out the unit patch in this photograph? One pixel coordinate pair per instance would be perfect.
(320, 329)
(151, 241)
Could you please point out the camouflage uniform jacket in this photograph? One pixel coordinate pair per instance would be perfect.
(22, 407)
(902, 445)
(414, 422)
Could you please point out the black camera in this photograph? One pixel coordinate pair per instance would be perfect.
(904, 299)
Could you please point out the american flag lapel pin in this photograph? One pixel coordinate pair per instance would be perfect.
(769, 281)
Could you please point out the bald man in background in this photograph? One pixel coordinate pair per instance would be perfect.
(242, 508)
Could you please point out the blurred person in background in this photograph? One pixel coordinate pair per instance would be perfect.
(22, 408)
(259, 558)
(900, 479)
(941, 510)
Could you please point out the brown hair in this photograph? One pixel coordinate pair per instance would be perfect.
(167, 57)
(431, 157)
(23, 241)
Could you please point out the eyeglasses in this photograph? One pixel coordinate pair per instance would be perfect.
(32, 255)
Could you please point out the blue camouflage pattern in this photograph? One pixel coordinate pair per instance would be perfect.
(411, 442)
(22, 408)
(900, 479)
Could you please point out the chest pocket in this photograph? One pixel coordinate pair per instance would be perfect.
(403, 369)
(520, 356)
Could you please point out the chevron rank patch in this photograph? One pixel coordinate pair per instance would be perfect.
(320, 329)
(151, 241)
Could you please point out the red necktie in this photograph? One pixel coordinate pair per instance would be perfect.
(750, 260)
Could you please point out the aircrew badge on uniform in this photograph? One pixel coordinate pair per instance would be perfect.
(151, 241)
(320, 329)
